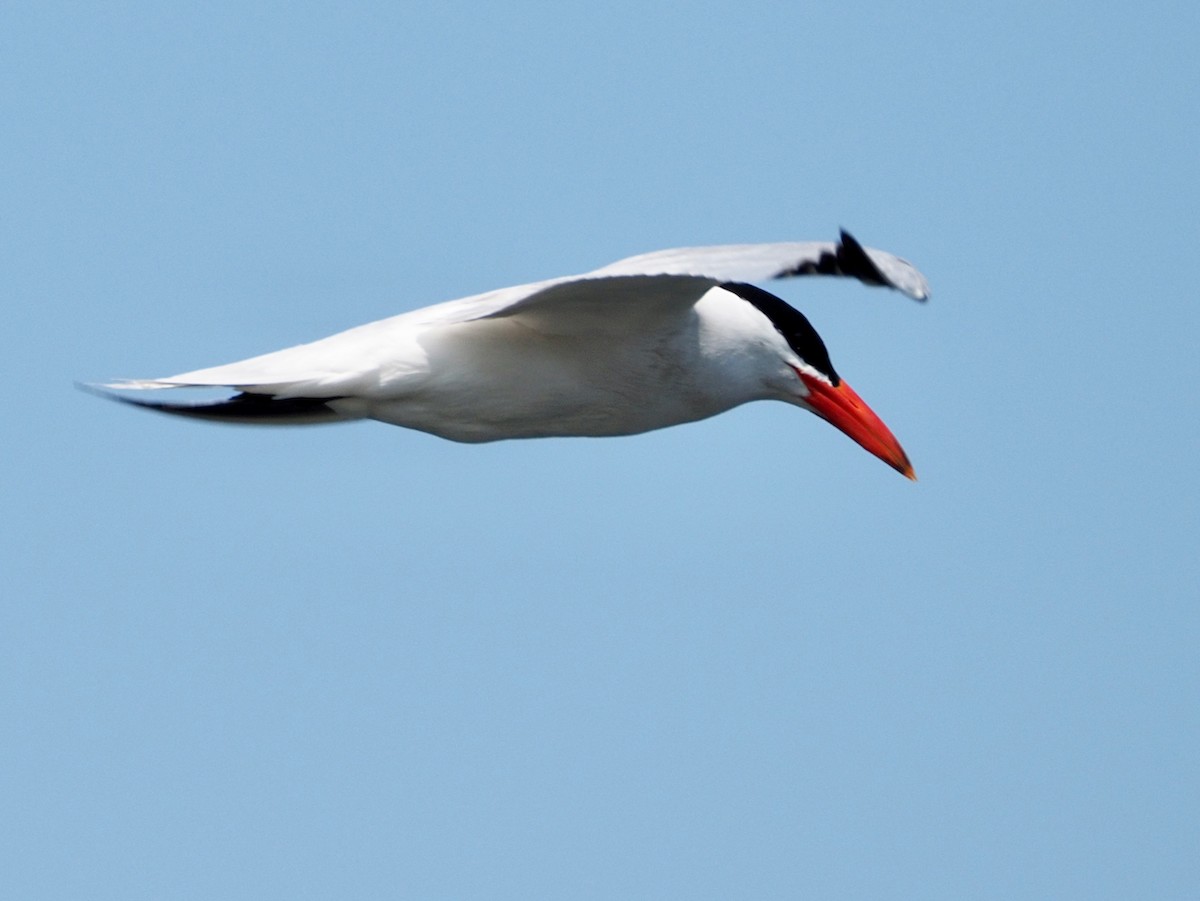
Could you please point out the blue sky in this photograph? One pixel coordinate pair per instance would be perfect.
(740, 658)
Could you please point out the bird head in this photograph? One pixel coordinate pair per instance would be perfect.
(806, 378)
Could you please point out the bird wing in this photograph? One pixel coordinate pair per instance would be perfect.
(764, 262)
(632, 293)
(623, 296)
(591, 305)
(368, 357)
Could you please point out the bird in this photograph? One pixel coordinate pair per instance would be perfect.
(651, 341)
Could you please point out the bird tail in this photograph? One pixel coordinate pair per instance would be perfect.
(243, 408)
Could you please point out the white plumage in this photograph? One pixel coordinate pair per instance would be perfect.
(643, 343)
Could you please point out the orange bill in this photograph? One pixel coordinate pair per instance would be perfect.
(843, 408)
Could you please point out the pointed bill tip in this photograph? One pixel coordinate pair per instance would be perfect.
(899, 461)
(842, 408)
(893, 455)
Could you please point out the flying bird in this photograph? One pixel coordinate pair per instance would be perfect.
(644, 343)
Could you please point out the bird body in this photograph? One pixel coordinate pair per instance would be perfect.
(505, 378)
(644, 343)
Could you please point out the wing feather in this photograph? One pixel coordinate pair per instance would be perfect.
(764, 262)
(628, 294)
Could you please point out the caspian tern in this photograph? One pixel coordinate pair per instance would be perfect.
(647, 342)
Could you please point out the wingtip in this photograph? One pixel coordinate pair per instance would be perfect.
(893, 271)
(98, 389)
(112, 391)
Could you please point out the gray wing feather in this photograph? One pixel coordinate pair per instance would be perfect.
(763, 262)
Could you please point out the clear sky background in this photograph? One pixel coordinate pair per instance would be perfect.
(736, 659)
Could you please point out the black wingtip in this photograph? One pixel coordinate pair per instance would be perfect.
(848, 259)
(242, 408)
(853, 261)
